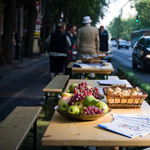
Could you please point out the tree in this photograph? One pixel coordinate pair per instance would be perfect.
(142, 7)
(115, 28)
(74, 11)
(44, 26)
(9, 13)
(31, 27)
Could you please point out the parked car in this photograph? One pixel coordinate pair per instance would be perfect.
(141, 53)
(114, 43)
(123, 44)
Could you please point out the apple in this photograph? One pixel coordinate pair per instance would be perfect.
(79, 104)
(81, 111)
(71, 88)
(102, 105)
(63, 103)
(73, 110)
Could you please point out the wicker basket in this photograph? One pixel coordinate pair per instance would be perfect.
(91, 60)
(118, 101)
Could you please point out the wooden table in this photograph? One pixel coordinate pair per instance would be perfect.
(103, 70)
(64, 132)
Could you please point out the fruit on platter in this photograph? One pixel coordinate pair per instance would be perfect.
(73, 110)
(84, 100)
(79, 104)
(103, 106)
(63, 103)
(90, 100)
(82, 110)
(67, 94)
(71, 88)
(92, 110)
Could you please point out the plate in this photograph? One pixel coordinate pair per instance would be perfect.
(80, 117)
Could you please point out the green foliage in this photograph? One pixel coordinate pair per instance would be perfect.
(75, 10)
(125, 27)
(143, 9)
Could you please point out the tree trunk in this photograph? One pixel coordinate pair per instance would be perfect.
(59, 13)
(44, 27)
(9, 15)
(31, 27)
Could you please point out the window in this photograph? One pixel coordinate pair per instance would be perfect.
(141, 41)
(148, 43)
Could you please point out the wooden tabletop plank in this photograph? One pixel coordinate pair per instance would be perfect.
(64, 132)
(70, 65)
(57, 84)
(95, 70)
(16, 126)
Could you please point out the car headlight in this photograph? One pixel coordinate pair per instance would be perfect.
(148, 56)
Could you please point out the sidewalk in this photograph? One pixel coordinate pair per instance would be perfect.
(10, 73)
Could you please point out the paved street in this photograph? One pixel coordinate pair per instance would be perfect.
(25, 88)
(123, 57)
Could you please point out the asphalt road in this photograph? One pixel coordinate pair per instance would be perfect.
(26, 90)
(123, 58)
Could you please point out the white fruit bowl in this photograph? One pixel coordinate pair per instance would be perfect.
(80, 117)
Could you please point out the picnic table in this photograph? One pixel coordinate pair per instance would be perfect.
(64, 132)
(105, 70)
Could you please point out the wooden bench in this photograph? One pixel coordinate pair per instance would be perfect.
(16, 126)
(55, 86)
(113, 78)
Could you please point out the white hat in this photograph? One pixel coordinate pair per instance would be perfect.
(86, 19)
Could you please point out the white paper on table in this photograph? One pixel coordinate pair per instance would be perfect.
(112, 82)
(82, 65)
(101, 90)
(129, 125)
(101, 54)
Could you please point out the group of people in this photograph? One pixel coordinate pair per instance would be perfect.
(61, 44)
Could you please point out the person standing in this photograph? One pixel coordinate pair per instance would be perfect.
(101, 30)
(71, 34)
(87, 43)
(58, 42)
(103, 36)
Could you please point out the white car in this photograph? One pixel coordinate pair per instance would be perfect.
(123, 44)
(113, 43)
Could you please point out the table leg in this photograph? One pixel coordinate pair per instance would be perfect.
(106, 76)
(75, 75)
(55, 97)
(34, 135)
(46, 106)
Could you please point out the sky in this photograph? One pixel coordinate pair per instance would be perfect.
(112, 11)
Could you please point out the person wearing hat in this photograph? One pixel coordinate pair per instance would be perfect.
(87, 44)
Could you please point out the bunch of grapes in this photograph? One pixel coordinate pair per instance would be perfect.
(92, 110)
(95, 93)
(81, 91)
